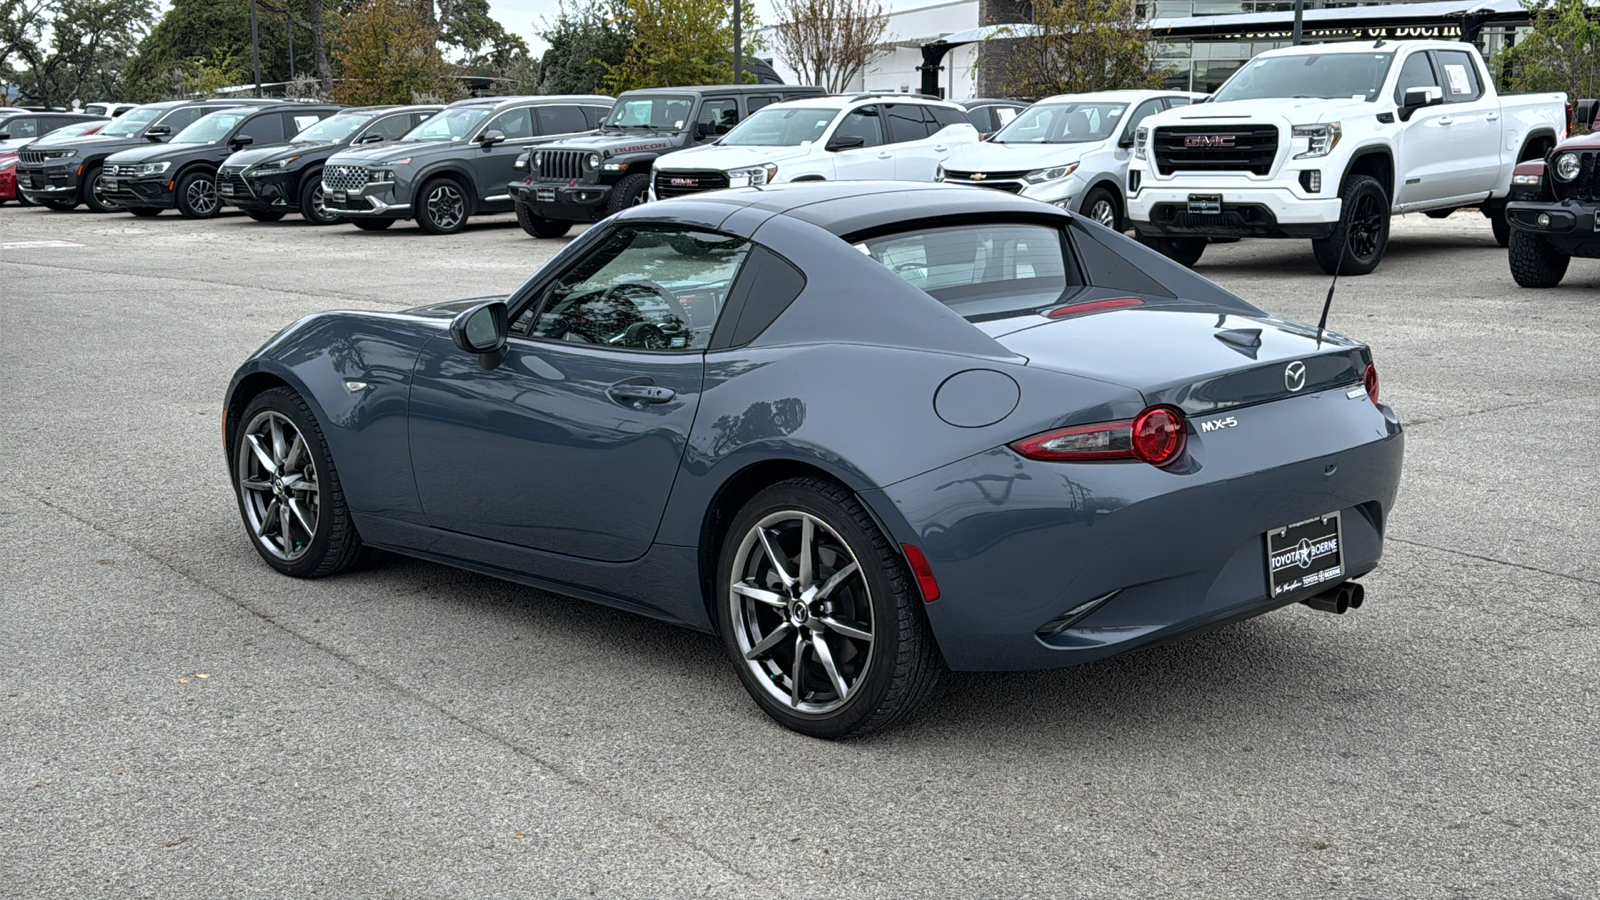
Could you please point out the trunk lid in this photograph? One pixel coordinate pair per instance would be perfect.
(1199, 360)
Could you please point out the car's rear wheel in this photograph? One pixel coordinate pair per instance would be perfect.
(312, 206)
(264, 215)
(1185, 251)
(819, 612)
(1101, 205)
(288, 489)
(145, 212)
(1362, 233)
(1534, 262)
(196, 195)
(539, 226)
(94, 192)
(443, 207)
(1500, 225)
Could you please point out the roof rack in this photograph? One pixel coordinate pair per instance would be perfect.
(873, 95)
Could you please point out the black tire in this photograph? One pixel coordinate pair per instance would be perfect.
(1500, 226)
(22, 200)
(1534, 262)
(633, 190)
(1100, 204)
(1185, 251)
(93, 197)
(441, 206)
(264, 215)
(372, 224)
(891, 678)
(196, 195)
(1362, 233)
(1439, 213)
(311, 208)
(333, 544)
(61, 205)
(539, 226)
(145, 212)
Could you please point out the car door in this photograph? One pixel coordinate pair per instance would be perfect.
(715, 118)
(493, 165)
(1425, 149)
(572, 443)
(263, 129)
(872, 159)
(918, 156)
(1472, 120)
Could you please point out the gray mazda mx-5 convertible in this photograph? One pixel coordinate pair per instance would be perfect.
(861, 430)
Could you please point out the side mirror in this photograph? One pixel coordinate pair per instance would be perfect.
(1419, 98)
(243, 140)
(1126, 141)
(846, 142)
(158, 132)
(5, 136)
(703, 130)
(481, 330)
(491, 137)
(369, 139)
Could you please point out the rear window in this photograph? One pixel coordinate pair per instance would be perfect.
(980, 271)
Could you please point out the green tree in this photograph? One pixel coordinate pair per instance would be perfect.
(482, 41)
(585, 39)
(388, 53)
(1073, 46)
(213, 32)
(679, 42)
(1562, 53)
(59, 51)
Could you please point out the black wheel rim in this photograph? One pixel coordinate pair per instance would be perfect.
(1366, 227)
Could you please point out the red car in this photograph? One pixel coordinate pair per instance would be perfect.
(8, 159)
(1554, 212)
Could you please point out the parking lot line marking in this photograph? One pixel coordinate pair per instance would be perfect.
(37, 245)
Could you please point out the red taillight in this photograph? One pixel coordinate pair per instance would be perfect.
(1156, 436)
(1078, 309)
(1369, 380)
(924, 573)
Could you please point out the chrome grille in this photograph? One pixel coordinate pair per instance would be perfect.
(344, 178)
(122, 171)
(676, 184)
(980, 177)
(233, 176)
(31, 157)
(562, 165)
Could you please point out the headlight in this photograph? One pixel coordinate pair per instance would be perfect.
(1567, 167)
(1321, 139)
(7, 162)
(615, 167)
(1526, 180)
(1040, 176)
(152, 168)
(593, 160)
(754, 176)
(1141, 137)
(60, 154)
(276, 165)
(538, 159)
(382, 176)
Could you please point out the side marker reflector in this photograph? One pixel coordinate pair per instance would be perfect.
(924, 573)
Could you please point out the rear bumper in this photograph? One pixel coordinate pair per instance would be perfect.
(1254, 211)
(1572, 226)
(1015, 544)
(561, 201)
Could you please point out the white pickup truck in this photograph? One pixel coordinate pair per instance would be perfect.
(1328, 141)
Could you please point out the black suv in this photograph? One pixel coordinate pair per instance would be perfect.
(269, 182)
(454, 165)
(182, 174)
(588, 178)
(68, 173)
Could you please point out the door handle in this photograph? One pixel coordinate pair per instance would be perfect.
(639, 394)
(1494, 117)
(940, 147)
(883, 155)
(1445, 120)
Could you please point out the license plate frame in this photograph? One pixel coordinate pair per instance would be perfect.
(109, 184)
(544, 195)
(225, 188)
(1205, 204)
(1306, 555)
(339, 196)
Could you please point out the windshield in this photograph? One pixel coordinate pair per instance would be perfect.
(1063, 123)
(333, 129)
(209, 129)
(662, 113)
(450, 125)
(1325, 76)
(779, 127)
(981, 271)
(133, 122)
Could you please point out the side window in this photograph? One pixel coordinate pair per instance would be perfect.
(417, 118)
(905, 122)
(1175, 102)
(1460, 76)
(596, 114)
(944, 117)
(1004, 114)
(516, 124)
(981, 119)
(561, 119)
(721, 113)
(391, 128)
(751, 104)
(1415, 72)
(657, 288)
(302, 122)
(179, 119)
(1145, 110)
(266, 129)
(863, 123)
(21, 127)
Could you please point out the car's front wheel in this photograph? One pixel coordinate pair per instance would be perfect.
(443, 209)
(1534, 262)
(288, 489)
(634, 190)
(1101, 205)
(94, 192)
(312, 205)
(820, 614)
(196, 195)
(1362, 233)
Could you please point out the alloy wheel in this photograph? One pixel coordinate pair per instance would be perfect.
(98, 188)
(1366, 225)
(801, 612)
(316, 203)
(202, 196)
(278, 485)
(1104, 212)
(446, 206)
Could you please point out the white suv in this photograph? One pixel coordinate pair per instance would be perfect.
(865, 136)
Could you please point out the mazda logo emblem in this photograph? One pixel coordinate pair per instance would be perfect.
(1294, 376)
(1209, 140)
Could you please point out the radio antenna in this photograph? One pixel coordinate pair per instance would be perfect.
(1322, 323)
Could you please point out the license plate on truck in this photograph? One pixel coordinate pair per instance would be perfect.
(1205, 204)
(1305, 554)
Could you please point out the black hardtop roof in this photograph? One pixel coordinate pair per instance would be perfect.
(731, 88)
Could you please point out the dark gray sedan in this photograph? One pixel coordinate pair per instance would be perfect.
(862, 430)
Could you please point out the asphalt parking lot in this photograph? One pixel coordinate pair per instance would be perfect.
(182, 722)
